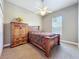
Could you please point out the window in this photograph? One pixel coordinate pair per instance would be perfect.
(57, 25)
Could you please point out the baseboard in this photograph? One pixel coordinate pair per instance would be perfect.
(0, 52)
(69, 42)
(6, 45)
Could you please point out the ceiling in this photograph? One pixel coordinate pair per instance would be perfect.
(52, 5)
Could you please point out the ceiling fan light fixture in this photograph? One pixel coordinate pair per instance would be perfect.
(43, 10)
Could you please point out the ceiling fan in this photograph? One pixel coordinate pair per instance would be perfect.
(43, 10)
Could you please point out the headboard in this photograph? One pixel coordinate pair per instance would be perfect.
(34, 28)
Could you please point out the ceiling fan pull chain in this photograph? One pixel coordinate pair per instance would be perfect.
(42, 3)
(42, 0)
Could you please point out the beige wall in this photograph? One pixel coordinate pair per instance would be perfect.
(13, 11)
(70, 23)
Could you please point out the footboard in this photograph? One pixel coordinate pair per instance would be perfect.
(50, 43)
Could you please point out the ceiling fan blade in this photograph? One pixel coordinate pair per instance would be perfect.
(49, 11)
(41, 13)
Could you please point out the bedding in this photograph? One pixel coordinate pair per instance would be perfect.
(44, 40)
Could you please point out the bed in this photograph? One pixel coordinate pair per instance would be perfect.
(44, 40)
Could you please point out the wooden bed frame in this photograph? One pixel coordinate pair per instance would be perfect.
(47, 42)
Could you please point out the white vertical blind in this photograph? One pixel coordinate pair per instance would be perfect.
(57, 25)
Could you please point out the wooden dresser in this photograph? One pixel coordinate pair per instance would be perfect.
(19, 33)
